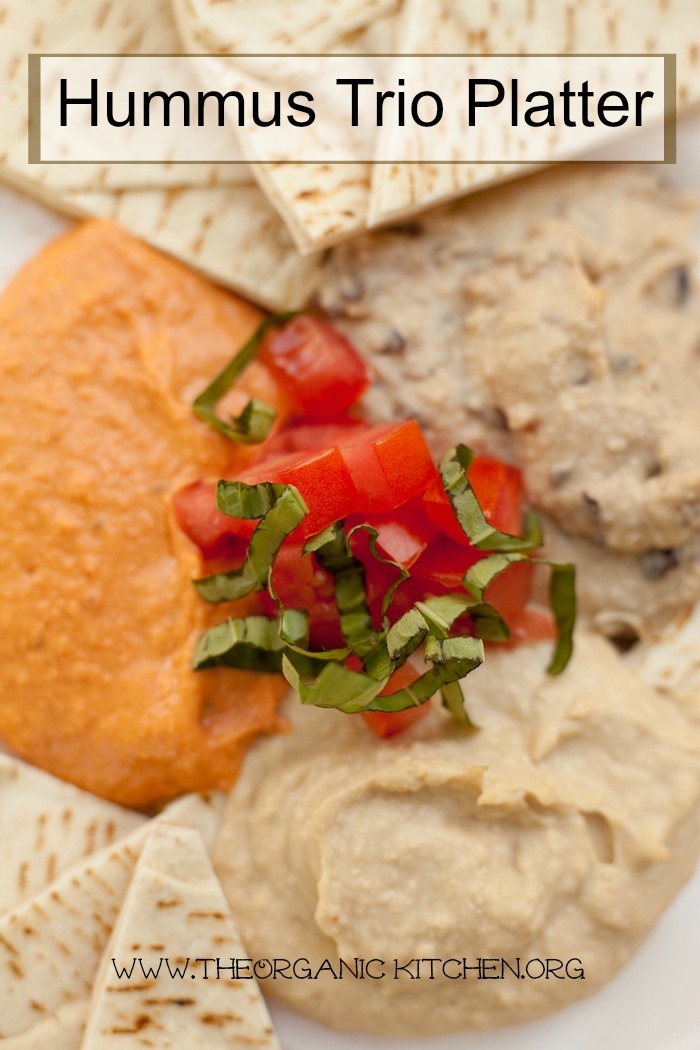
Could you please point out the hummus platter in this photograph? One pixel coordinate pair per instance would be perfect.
(349, 656)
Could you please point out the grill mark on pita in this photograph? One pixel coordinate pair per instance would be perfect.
(51, 863)
(106, 926)
(164, 1000)
(204, 225)
(102, 15)
(28, 931)
(125, 861)
(96, 877)
(169, 199)
(133, 43)
(3, 14)
(16, 968)
(169, 904)
(92, 836)
(8, 946)
(37, 1007)
(132, 987)
(206, 915)
(22, 876)
(40, 829)
(38, 34)
(651, 45)
(219, 1020)
(530, 11)
(570, 32)
(67, 815)
(141, 1022)
(693, 54)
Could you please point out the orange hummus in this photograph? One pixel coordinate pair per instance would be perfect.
(104, 344)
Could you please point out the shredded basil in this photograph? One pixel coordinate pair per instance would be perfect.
(562, 599)
(254, 423)
(322, 677)
(453, 471)
(333, 554)
(280, 509)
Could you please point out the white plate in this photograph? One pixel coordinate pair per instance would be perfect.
(654, 1004)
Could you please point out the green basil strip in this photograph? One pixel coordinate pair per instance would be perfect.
(333, 554)
(280, 509)
(562, 599)
(453, 700)
(254, 423)
(470, 516)
(441, 613)
(252, 643)
(403, 574)
(335, 687)
(477, 578)
(452, 659)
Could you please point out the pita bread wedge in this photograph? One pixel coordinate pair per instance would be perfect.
(232, 234)
(175, 908)
(46, 825)
(525, 27)
(84, 27)
(51, 944)
(321, 203)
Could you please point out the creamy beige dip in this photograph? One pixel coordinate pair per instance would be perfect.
(555, 321)
(560, 830)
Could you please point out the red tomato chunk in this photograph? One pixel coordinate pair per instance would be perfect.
(317, 366)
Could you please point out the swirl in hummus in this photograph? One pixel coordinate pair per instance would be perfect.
(560, 830)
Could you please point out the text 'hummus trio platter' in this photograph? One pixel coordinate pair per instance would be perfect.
(349, 654)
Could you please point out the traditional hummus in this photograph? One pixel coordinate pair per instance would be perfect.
(104, 345)
(560, 831)
(555, 321)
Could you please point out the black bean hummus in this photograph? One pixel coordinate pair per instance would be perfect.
(556, 322)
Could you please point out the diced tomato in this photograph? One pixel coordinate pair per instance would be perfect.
(532, 625)
(444, 564)
(403, 534)
(301, 583)
(376, 470)
(305, 436)
(389, 465)
(386, 724)
(197, 516)
(316, 365)
(510, 592)
(499, 490)
(322, 478)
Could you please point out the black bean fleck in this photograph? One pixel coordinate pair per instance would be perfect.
(495, 417)
(656, 563)
(394, 343)
(681, 281)
(352, 289)
(591, 505)
(623, 637)
(407, 229)
(559, 476)
(622, 362)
